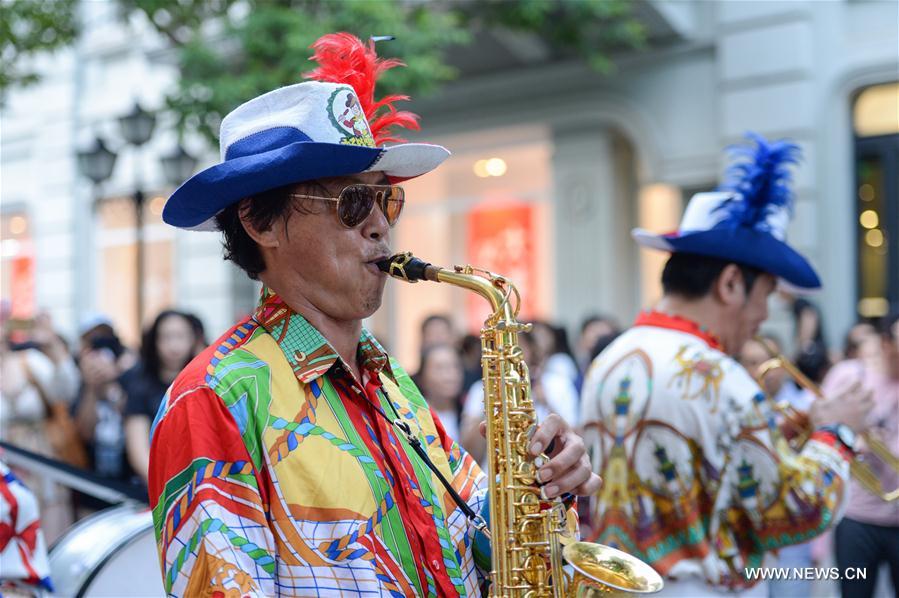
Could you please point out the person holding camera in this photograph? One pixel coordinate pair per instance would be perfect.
(35, 385)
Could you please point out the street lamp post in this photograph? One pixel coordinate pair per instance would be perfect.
(97, 162)
(137, 128)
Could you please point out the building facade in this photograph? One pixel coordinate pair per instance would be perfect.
(553, 165)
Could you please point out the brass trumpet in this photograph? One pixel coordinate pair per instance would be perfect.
(797, 425)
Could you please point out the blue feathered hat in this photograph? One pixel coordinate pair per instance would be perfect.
(746, 219)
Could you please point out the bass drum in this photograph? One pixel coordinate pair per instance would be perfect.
(111, 553)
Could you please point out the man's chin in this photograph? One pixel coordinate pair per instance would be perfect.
(372, 303)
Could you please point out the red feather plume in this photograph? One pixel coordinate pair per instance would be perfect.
(343, 58)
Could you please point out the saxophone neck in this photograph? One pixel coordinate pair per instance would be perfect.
(492, 287)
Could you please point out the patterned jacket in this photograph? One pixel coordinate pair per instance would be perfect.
(273, 473)
(697, 479)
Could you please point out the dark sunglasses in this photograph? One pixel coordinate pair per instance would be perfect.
(355, 202)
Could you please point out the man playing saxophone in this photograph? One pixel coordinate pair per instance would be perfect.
(697, 479)
(293, 457)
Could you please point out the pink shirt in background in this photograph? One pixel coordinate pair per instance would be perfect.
(864, 506)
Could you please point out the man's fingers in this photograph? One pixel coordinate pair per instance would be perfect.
(483, 429)
(568, 457)
(568, 482)
(545, 432)
(590, 487)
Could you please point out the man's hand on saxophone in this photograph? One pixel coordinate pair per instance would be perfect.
(568, 469)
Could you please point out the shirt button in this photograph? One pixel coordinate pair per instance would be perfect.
(436, 564)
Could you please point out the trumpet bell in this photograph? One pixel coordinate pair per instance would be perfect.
(601, 569)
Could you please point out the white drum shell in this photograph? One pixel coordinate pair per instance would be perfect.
(112, 553)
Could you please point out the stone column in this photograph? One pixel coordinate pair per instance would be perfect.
(595, 269)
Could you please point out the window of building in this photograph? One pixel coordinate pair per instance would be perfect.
(489, 206)
(660, 208)
(17, 266)
(876, 122)
(117, 264)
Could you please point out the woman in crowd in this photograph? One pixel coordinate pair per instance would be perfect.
(440, 381)
(811, 357)
(167, 346)
(35, 374)
(556, 353)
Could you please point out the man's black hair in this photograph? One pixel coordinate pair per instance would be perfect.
(262, 210)
(691, 276)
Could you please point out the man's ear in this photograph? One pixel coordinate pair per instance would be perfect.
(268, 237)
(730, 288)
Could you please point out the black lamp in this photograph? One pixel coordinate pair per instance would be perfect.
(178, 166)
(96, 162)
(137, 126)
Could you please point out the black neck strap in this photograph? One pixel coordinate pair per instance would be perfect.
(415, 443)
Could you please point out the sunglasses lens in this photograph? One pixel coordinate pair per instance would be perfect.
(355, 204)
(392, 204)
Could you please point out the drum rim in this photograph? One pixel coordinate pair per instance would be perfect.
(101, 514)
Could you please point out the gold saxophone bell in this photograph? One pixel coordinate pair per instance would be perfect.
(528, 541)
(601, 570)
(799, 429)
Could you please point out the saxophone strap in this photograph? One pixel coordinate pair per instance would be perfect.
(415, 443)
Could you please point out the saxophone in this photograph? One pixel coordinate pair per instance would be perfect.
(529, 536)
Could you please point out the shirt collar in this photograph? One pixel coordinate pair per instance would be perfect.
(309, 353)
(663, 320)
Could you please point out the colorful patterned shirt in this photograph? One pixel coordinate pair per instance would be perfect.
(697, 479)
(272, 473)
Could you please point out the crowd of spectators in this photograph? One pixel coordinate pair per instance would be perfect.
(107, 394)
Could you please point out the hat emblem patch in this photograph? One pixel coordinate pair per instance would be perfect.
(346, 115)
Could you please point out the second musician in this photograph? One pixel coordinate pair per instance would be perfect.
(697, 479)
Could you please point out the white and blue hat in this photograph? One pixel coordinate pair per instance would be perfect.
(298, 133)
(746, 219)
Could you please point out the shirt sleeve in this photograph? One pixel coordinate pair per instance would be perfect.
(42, 369)
(208, 510)
(66, 379)
(777, 495)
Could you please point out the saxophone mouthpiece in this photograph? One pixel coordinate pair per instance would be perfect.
(384, 265)
(407, 267)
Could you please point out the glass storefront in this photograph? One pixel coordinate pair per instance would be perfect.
(489, 206)
(117, 264)
(876, 124)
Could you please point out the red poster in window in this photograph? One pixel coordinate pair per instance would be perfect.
(22, 287)
(501, 239)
